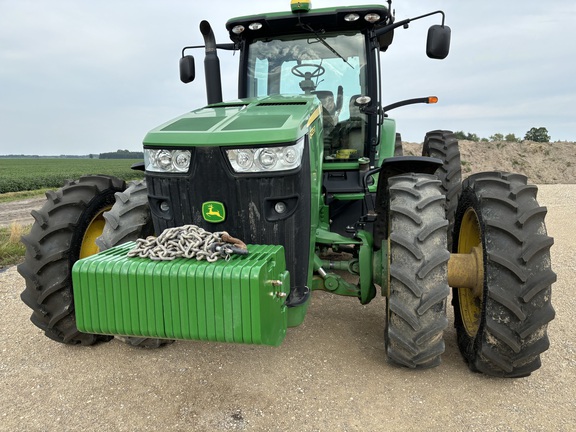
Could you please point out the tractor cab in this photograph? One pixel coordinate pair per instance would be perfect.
(332, 68)
(333, 54)
(329, 53)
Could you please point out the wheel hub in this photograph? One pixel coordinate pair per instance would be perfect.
(466, 271)
(93, 231)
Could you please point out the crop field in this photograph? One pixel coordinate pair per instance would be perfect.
(31, 174)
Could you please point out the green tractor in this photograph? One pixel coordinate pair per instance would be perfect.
(306, 168)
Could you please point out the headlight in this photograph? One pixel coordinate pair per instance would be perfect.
(177, 161)
(267, 159)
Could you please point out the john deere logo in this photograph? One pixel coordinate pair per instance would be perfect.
(213, 212)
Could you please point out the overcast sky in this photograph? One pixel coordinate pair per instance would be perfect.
(80, 77)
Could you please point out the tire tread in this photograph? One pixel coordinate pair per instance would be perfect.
(418, 258)
(52, 247)
(518, 276)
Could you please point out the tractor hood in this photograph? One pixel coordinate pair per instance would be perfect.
(266, 120)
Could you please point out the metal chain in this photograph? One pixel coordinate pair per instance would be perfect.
(188, 241)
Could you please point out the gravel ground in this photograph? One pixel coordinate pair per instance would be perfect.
(329, 375)
(18, 212)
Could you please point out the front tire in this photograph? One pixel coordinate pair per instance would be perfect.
(129, 218)
(416, 306)
(64, 231)
(501, 328)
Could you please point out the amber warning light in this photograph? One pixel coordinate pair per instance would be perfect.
(300, 5)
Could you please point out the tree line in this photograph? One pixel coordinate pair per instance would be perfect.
(118, 154)
(122, 154)
(539, 134)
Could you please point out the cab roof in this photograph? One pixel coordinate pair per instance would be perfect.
(325, 19)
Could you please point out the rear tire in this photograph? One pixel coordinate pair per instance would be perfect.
(416, 306)
(503, 331)
(64, 231)
(128, 220)
(443, 145)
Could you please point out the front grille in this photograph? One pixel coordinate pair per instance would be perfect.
(249, 205)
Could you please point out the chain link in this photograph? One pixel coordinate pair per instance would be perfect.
(188, 241)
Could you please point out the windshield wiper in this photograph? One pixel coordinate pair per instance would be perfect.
(323, 41)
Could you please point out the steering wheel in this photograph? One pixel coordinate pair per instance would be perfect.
(318, 71)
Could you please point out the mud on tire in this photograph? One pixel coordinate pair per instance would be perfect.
(416, 306)
(507, 334)
(53, 246)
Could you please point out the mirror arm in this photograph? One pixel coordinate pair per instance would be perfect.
(405, 22)
(223, 46)
(390, 27)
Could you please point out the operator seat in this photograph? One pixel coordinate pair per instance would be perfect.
(328, 108)
(353, 132)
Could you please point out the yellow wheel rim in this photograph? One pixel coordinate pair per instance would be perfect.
(94, 230)
(470, 236)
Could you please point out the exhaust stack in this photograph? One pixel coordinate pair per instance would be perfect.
(211, 65)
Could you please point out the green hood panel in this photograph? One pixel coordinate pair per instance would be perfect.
(270, 119)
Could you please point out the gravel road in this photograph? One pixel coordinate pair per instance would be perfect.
(329, 375)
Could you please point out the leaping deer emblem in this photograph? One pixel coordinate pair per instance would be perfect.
(211, 212)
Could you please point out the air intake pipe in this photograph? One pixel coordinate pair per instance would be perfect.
(211, 65)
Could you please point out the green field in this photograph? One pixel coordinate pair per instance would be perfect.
(31, 174)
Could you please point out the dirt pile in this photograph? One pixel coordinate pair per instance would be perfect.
(542, 163)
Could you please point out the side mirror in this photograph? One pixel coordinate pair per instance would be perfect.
(438, 43)
(187, 69)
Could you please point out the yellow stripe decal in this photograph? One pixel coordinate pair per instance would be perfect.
(314, 115)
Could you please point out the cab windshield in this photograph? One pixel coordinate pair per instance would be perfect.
(332, 67)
